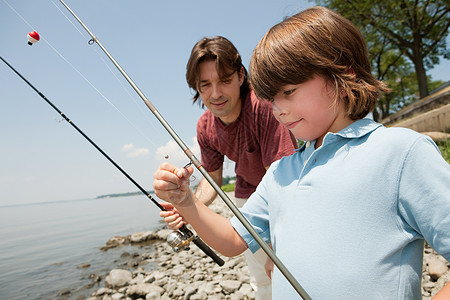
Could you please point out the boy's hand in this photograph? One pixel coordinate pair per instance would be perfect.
(171, 216)
(171, 184)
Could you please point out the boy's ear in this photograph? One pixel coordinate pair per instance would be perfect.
(351, 72)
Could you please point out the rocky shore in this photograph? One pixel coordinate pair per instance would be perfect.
(190, 274)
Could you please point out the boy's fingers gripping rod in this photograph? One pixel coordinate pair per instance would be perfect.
(198, 165)
(188, 235)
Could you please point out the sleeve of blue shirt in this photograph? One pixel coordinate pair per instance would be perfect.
(256, 211)
(424, 195)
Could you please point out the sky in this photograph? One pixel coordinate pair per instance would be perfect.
(42, 158)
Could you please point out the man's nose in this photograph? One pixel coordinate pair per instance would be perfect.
(216, 91)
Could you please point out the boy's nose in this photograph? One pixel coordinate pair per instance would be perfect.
(277, 110)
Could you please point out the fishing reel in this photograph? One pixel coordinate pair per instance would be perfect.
(179, 241)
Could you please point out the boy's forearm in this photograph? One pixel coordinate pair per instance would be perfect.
(205, 192)
(444, 293)
(214, 229)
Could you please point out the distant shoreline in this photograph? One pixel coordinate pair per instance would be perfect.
(74, 200)
(123, 194)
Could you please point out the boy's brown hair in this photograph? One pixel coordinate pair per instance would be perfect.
(227, 58)
(317, 41)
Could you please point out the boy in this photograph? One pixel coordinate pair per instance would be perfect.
(349, 212)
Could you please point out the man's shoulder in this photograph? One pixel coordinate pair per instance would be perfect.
(259, 106)
(206, 116)
(205, 120)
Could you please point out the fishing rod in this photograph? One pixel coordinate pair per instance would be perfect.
(287, 274)
(179, 240)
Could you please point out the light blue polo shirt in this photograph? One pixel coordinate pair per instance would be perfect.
(349, 219)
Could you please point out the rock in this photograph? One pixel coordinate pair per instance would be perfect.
(125, 254)
(162, 234)
(142, 289)
(138, 279)
(102, 291)
(437, 136)
(153, 296)
(64, 292)
(246, 289)
(189, 291)
(117, 296)
(230, 286)
(116, 240)
(95, 278)
(84, 266)
(198, 297)
(118, 278)
(178, 270)
(436, 268)
(432, 287)
(140, 237)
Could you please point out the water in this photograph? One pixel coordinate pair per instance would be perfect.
(42, 244)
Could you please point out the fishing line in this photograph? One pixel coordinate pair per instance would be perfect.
(139, 107)
(193, 177)
(199, 167)
(29, 25)
(182, 239)
(89, 82)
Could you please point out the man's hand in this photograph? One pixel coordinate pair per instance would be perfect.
(268, 266)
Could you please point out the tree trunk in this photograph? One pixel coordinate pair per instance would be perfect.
(376, 114)
(385, 107)
(420, 70)
(421, 78)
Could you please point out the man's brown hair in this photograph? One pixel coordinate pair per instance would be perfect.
(226, 56)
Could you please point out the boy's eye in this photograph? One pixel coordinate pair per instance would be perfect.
(288, 92)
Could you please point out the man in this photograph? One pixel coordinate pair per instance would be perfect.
(236, 125)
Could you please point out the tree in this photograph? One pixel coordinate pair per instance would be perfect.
(417, 28)
(390, 66)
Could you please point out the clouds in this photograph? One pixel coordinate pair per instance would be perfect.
(175, 154)
(170, 152)
(133, 152)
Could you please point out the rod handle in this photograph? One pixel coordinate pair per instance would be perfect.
(202, 245)
(208, 251)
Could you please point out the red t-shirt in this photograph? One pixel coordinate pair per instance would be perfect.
(254, 141)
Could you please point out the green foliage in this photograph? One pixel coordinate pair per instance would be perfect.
(436, 84)
(228, 187)
(228, 183)
(445, 149)
(300, 143)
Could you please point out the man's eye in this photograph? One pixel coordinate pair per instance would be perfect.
(226, 81)
(204, 85)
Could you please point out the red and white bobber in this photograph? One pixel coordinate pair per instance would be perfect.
(33, 37)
